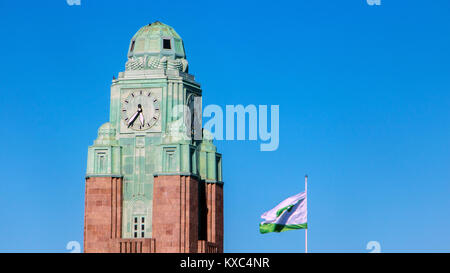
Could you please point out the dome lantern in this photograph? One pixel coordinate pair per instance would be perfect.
(158, 40)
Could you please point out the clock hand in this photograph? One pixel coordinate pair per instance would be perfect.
(141, 118)
(132, 119)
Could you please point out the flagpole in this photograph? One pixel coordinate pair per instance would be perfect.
(306, 229)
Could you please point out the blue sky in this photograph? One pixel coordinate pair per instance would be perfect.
(364, 111)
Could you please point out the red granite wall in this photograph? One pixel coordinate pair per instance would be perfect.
(175, 213)
(214, 203)
(143, 245)
(175, 217)
(103, 214)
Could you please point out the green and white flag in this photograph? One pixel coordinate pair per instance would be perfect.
(288, 215)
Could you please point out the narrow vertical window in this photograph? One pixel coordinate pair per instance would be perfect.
(139, 227)
(166, 44)
(142, 227)
(132, 46)
(218, 169)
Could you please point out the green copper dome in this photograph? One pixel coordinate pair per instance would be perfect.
(158, 40)
(106, 135)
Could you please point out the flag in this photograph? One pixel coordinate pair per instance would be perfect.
(288, 215)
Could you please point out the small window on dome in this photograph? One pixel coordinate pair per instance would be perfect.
(166, 44)
(132, 46)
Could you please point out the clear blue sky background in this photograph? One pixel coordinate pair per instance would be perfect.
(364, 95)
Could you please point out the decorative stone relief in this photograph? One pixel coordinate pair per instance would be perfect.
(153, 62)
(135, 64)
(139, 208)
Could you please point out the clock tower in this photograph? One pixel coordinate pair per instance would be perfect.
(154, 177)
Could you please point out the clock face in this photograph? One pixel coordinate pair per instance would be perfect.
(140, 110)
